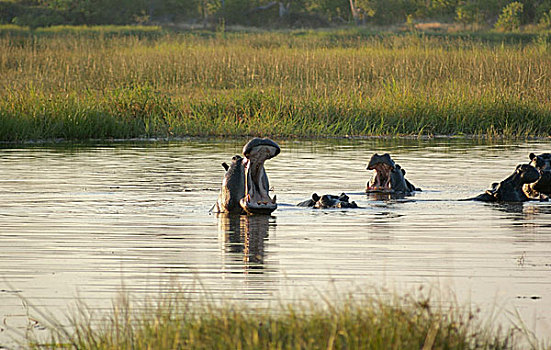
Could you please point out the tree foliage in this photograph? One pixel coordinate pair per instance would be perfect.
(509, 19)
(503, 14)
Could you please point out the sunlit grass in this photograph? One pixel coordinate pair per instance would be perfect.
(79, 83)
(175, 321)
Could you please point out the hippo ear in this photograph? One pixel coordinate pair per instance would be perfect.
(403, 172)
(343, 197)
(315, 197)
(532, 156)
(226, 166)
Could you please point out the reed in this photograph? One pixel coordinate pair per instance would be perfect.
(79, 83)
(175, 321)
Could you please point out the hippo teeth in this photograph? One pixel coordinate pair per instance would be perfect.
(257, 189)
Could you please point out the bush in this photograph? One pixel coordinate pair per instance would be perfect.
(467, 14)
(545, 21)
(509, 20)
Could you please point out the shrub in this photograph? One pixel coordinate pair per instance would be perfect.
(509, 20)
(545, 20)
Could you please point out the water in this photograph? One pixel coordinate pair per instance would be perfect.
(87, 221)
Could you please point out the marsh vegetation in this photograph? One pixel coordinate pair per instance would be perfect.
(175, 321)
(122, 82)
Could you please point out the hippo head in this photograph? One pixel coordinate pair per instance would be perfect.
(542, 163)
(527, 173)
(389, 177)
(511, 189)
(383, 166)
(256, 199)
(326, 201)
(245, 186)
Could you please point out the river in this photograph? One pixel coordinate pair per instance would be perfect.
(85, 221)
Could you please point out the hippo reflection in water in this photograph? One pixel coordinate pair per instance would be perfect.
(244, 236)
(512, 188)
(245, 186)
(328, 201)
(388, 177)
(540, 189)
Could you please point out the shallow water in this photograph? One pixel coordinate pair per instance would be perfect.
(87, 221)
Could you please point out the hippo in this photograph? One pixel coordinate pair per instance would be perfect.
(389, 177)
(328, 201)
(245, 185)
(511, 189)
(540, 189)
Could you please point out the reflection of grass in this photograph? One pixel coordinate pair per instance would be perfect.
(104, 82)
(175, 322)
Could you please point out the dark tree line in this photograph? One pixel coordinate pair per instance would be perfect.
(297, 13)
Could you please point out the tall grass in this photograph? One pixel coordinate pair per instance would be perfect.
(82, 83)
(175, 321)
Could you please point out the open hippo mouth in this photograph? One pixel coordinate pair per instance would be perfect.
(257, 199)
(383, 166)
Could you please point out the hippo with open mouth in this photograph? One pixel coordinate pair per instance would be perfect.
(512, 188)
(245, 186)
(388, 177)
(328, 201)
(540, 189)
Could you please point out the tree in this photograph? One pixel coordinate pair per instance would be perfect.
(466, 13)
(333, 10)
(208, 8)
(361, 9)
(545, 21)
(509, 19)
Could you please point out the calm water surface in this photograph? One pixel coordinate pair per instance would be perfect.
(83, 221)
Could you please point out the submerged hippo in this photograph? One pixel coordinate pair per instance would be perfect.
(511, 189)
(328, 201)
(245, 186)
(388, 177)
(541, 187)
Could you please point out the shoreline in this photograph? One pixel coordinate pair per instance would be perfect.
(62, 141)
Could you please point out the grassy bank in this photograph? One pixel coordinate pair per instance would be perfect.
(367, 323)
(80, 83)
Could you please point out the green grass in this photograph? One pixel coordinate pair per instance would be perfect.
(121, 82)
(174, 321)
(80, 31)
